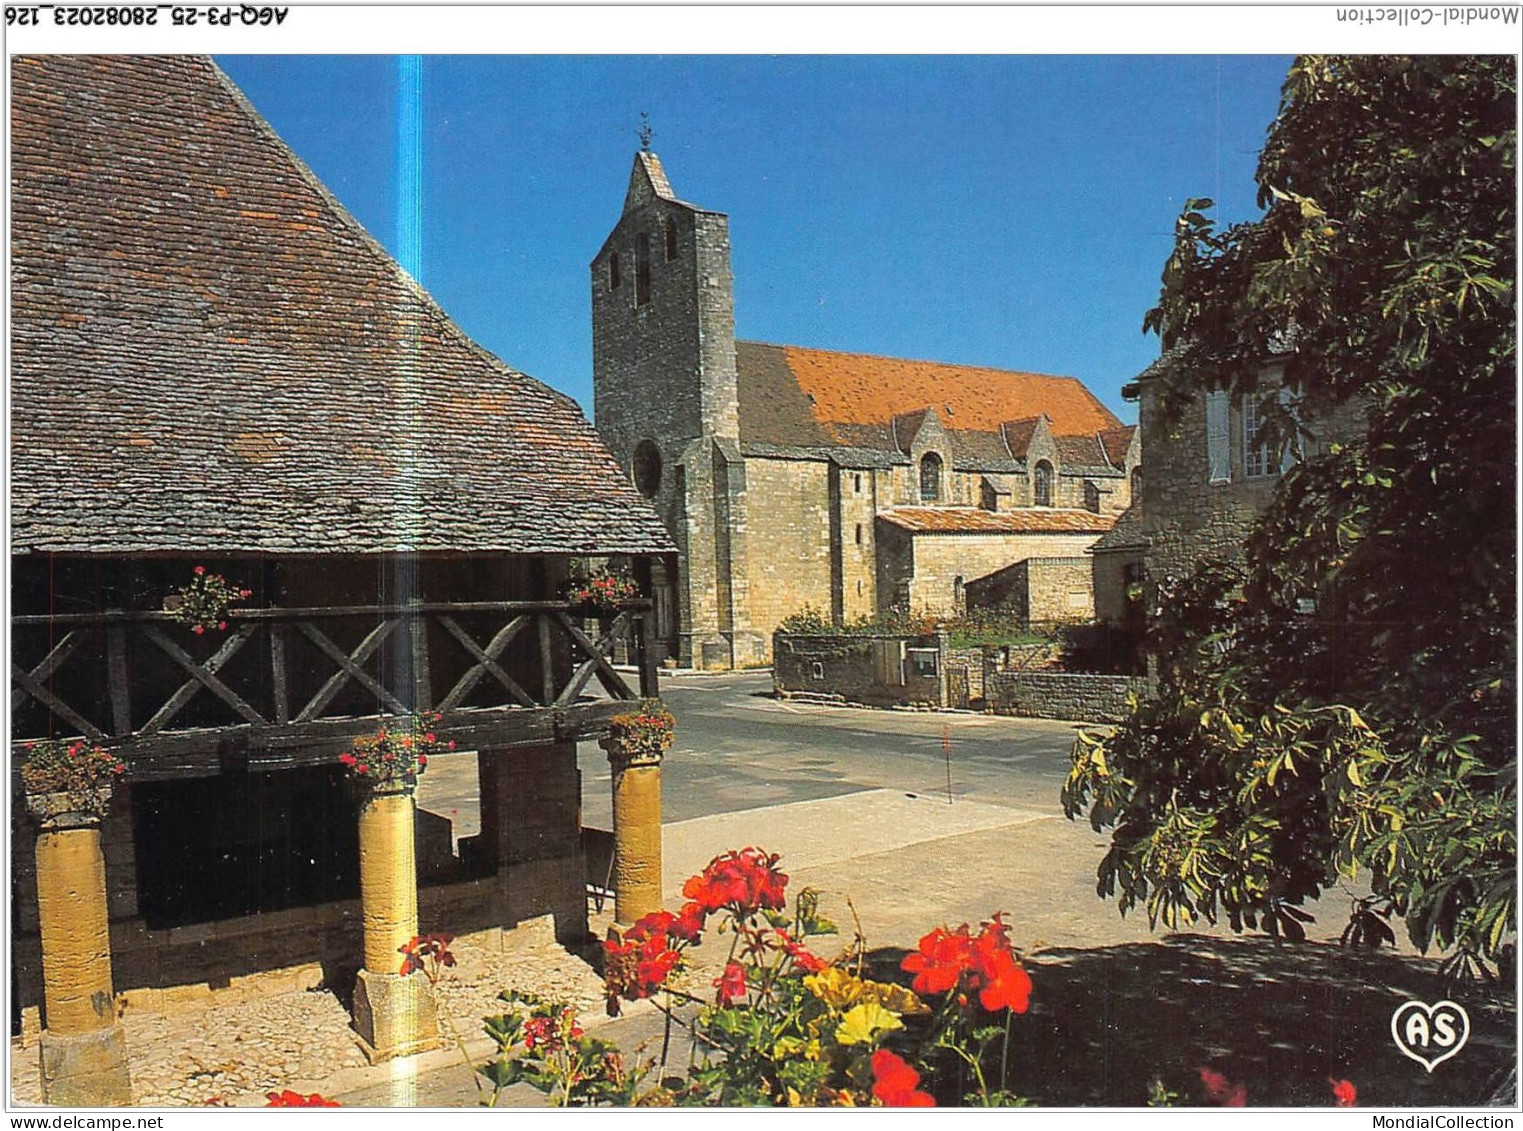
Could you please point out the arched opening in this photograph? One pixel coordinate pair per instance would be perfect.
(647, 468)
(614, 278)
(1041, 484)
(930, 478)
(671, 239)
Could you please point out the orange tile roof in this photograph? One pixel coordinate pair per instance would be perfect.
(855, 388)
(972, 520)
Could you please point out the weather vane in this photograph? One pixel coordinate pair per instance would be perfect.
(645, 133)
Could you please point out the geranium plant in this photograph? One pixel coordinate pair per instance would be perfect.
(785, 1025)
(647, 731)
(55, 766)
(395, 755)
(604, 590)
(205, 602)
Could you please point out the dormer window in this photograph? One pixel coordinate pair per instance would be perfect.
(671, 240)
(930, 478)
(642, 269)
(1041, 484)
(614, 278)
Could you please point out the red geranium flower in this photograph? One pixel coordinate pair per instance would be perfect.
(1222, 1092)
(689, 925)
(1344, 1092)
(199, 571)
(803, 958)
(731, 984)
(955, 960)
(289, 1098)
(743, 881)
(942, 959)
(639, 964)
(895, 1082)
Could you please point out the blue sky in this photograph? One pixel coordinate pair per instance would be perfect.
(1011, 211)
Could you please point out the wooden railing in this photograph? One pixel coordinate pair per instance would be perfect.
(289, 686)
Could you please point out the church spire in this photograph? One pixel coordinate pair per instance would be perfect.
(647, 181)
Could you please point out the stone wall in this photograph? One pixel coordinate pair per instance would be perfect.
(938, 560)
(1059, 589)
(789, 532)
(1060, 695)
(1187, 518)
(855, 669)
(854, 495)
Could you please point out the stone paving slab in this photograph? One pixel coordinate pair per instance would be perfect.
(827, 830)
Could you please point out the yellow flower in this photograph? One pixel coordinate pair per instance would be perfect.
(866, 1024)
(835, 987)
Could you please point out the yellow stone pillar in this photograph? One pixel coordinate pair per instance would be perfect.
(394, 1013)
(635, 745)
(83, 1052)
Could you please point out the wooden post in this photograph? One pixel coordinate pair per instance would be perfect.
(394, 1013)
(84, 1055)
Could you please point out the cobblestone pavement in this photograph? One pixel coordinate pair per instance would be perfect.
(234, 1052)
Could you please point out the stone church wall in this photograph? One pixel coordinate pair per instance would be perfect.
(940, 559)
(789, 539)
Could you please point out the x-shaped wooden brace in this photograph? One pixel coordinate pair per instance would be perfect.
(201, 675)
(349, 668)
(486, 662)
(597, 661)
(32, 683)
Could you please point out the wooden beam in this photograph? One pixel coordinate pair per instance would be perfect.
(349, 668)
(609, 678)
(486, 661)
(202, 752)
(201, 675)
(50, 664)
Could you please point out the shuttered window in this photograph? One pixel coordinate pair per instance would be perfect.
(1218, 438)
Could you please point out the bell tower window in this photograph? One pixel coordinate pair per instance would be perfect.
(614, 278)
(671, 239)
(642, 269)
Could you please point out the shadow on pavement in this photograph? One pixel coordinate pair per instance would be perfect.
(1280, 1020)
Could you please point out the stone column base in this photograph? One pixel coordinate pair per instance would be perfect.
(394, 1015)
(86, 1070)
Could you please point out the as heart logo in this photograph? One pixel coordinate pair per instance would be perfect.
(1430, 1034)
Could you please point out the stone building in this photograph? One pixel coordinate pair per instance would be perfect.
(847, 482)
(214, 366)
(1211, 471)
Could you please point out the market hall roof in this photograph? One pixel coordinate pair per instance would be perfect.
(210, 354)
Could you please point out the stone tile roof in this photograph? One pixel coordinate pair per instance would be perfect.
(1084, 455)
(1018, 434)
(972, 520)
(210, 354)
(1116, 441)
(981, 451)
(1127, 534)
(862, 389)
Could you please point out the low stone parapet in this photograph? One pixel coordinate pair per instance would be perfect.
(1061, 695)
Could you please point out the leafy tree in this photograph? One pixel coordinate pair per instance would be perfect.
(1281, 749)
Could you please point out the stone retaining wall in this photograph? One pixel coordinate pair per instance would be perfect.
(856, 668)
(1060, 695)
